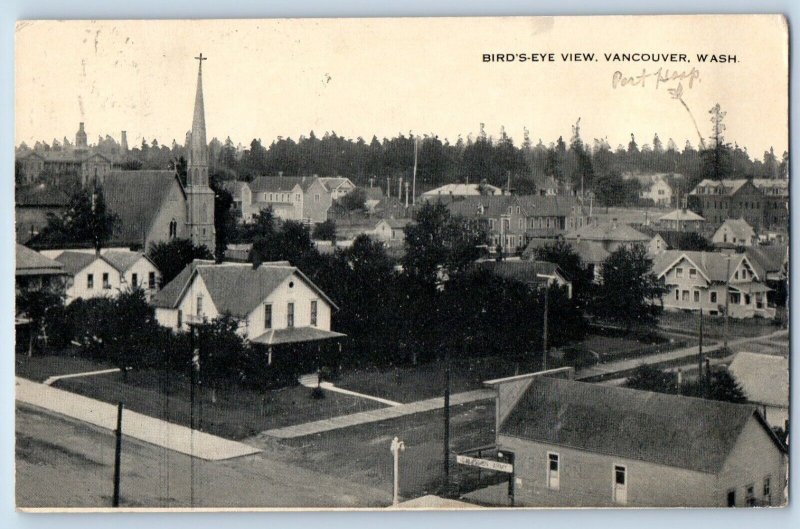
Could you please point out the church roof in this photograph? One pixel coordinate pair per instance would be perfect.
(280, 184)
(136, 197)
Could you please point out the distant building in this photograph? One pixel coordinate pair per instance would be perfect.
(696, 280)
(79, 161)
(462, 190)
(299, 198)
(337, 186)
(391, 230)
(655, 187)
(776, 202)
(535, 274)
(577, 444)
(765, 381)
(719, 200)
(683, 220)
(734, 232)
(32, 206)
(595, 241)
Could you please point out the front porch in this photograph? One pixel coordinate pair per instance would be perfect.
(748, 300)
(297, 350)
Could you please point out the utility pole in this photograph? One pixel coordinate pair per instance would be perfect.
(700, 349)
(396, 447)
(414, 177)
(547, 279)
(447, 424)
(117, 455)
(727, 299)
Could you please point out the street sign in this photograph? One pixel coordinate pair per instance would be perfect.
(485, 463)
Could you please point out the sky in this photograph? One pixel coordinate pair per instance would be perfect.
(359, 77)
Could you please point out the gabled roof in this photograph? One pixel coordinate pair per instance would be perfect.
(523, 271)
(136, 197)
(235, 288)
(122, 260)
(280, 184)
(712, 265)
(772, 186)
(74, 262)
(771, 258)
(670, 430)
(738, 228)
(764, 378)
(74, 156)
(295, 335)
(40, 195)
(29, 262)
(461, 190)
(728, 187)
(682, 214)
(608, 232)
(332, 183)
(590, 251)
(395, 224)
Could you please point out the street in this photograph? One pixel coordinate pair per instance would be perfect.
(69, 464)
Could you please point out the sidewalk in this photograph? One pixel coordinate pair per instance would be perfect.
(687, 352)
(149, 429)
(382, 414)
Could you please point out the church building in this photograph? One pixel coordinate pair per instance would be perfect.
(153, 206)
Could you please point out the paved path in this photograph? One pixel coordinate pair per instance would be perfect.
(149, 429)
(632, 363)
(312, 380)
(382, 414)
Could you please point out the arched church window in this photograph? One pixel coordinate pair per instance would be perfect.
(196, 174)
(203, 212)
(173, 229)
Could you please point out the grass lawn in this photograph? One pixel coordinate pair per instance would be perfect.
(238, 413)
(361, 453)
(424, 381)
(39, 368)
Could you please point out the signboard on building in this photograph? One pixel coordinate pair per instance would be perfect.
(485, 463)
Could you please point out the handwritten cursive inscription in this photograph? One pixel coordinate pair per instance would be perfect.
(656, 78)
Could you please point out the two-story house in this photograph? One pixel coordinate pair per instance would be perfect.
(703, 280)
(275, 303)
(106, 274)
(578, 444)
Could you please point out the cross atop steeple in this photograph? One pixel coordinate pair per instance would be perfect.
(200, 60)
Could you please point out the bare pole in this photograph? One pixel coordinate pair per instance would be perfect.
(117, 455)
(446, 461)
(544, 327)
(414, 177)
(727, 300)
(700, 348)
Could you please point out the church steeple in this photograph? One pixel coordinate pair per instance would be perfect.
(199, 197)
(197, 163)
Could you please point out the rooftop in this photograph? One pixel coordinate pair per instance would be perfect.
(671, 430)
(29, 262)
(764, 378)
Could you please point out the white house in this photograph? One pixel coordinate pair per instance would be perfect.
(462, 190)
(734, 232)
(391, 230)
(108, 273)
(275, 302)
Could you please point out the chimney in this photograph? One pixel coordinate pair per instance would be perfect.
(124, 141)
(280, 173)
(400, 188)
(388, 187)
(406, 194)
(614, 223)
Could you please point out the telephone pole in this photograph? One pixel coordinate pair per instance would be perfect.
(727, 299)
(117, 456)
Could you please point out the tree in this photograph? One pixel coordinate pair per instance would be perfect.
(86, 221)
(224, 221)
(222, 353)
(564, 255)
(354, 200)
(173, 256)
(35, 303)
(325, 231)
(629, 293)
(716, 159)
(716, 385)
(439, 246)
(694, 242)
(649, 378)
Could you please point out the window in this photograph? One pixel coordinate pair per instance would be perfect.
(677, 295)
(518, 210)
(736, 273)
(180, 318)
(522, 224)
(620, 485)
(134, 280)
(679, 272)
(297, 197)
(316, 197)
(697, 296)
(267, 316)
(314, 313)
(693, 272)
(685, 295)
(553, 471)
(106, 284)
(712, 297)
(151, 280)
(90, 281)
(290, 315)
